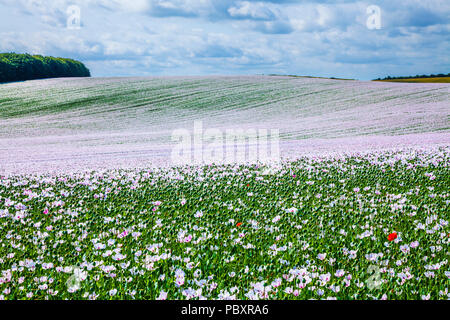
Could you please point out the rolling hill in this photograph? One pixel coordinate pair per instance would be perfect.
(63, 123)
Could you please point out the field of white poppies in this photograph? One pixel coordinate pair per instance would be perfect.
(90, 207)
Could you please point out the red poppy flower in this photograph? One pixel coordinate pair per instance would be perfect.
(238, 224)
(248, 185)
(392, 236)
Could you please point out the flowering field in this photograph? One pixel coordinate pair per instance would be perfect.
(63, 124)
(366, 226)
(91, 206)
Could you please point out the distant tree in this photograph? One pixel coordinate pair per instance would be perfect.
(417, 76)
(20, 67)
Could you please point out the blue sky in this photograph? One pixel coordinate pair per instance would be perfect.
(202, 37)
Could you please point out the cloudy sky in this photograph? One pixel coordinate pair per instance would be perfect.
(200, 37)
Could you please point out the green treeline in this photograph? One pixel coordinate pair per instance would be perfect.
(441, 75)
(20, 67)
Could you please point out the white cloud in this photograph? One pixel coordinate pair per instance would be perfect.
(226, 36)
(249, 10)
